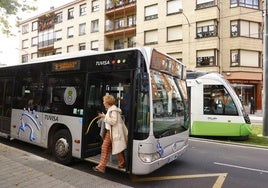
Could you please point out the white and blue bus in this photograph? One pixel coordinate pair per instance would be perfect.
(53, 102)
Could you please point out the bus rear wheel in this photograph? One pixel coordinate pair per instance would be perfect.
(62, 147)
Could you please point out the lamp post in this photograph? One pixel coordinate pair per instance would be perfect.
(189, 25)
(265, 72)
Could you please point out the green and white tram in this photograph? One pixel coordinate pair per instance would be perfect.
(215, 108)
(53, 102)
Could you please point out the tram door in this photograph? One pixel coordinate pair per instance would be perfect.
(6, 88)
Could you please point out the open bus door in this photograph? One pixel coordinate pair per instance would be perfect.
(116, 84)
(6, 88)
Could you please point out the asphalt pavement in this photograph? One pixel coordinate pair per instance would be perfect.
(23, 169)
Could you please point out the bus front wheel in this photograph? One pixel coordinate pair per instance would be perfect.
(62, 147)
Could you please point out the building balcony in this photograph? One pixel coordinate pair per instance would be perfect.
(129, 30)
(46, 45)
(120, 8)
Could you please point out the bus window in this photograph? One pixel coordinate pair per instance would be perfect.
(65, 95)
(168, 105)
(218, 101)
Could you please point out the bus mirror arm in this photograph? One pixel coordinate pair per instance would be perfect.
(144, 82)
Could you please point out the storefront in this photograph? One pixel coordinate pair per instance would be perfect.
(250, 86)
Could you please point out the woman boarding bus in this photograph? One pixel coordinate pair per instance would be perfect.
(215, 108)
(65, 93)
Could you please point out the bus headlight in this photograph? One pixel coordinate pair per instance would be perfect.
(149, 157)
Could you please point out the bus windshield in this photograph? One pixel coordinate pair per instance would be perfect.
(168, 105)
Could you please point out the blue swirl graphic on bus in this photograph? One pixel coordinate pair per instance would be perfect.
(159, 149)
(31, 120)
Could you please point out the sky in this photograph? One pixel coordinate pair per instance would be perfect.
(9, 46)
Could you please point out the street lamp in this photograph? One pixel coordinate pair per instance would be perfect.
(189, 25)
(265, 72)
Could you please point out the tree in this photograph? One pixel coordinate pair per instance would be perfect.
(10, 9)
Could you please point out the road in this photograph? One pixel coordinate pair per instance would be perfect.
(211, 164)
(206, 164)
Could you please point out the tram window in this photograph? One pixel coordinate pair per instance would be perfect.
(218, 101)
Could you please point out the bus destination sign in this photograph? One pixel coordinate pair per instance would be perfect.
(65, 66)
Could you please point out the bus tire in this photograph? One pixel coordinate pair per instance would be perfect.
(62, 147)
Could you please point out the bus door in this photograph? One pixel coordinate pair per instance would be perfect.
(116, 84)
(6, 88)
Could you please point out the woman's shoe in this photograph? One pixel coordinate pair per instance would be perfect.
(98, 170)
(123, 166)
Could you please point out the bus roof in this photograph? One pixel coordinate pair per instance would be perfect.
(144, 50)
(77, 54)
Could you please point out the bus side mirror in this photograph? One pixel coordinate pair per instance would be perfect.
(144, 82)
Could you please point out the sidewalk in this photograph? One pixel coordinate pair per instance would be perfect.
(256, 118)
(22, 169)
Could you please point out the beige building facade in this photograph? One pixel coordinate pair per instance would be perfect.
(224, 36)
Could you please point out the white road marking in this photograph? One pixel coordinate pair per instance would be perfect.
(241, 167)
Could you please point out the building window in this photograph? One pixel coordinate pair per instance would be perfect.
(206, 58)
(35, 26)
(34, 41)
(119, 44)
(242, 28)
(205, 3)
(131, 21)
(95, 26)
(58, 51)
(82, 29)
(25, 29)
(234, 58)
(83, 9)
(174, 6)
(234, 28)
(58, 18)
(82, 46)
(70, 32)
(58, 35)
(25, 44)
(95, 45)
(151, 12)
(45, 38)
(34, 55)
(120, 23)
(150, 37)
(206, 29)
(245, 3)
(70, 48)
(131, 42)
(245, 58)
(174, 33)
(95, 6)
(24, 58)
(70, 13)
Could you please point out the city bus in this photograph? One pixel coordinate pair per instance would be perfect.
(215, 108)
(53, 103)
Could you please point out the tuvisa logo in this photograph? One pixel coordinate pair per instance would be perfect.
(101, 63)
(51, 118)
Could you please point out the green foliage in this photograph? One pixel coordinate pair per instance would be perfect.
(10, 8)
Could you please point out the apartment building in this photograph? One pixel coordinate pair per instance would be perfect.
(222, 36)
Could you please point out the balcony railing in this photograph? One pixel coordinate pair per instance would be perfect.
(120, 3)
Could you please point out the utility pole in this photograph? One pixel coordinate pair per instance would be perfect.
(265, 72)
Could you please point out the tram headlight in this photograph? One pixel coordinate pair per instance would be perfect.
(149, 157)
